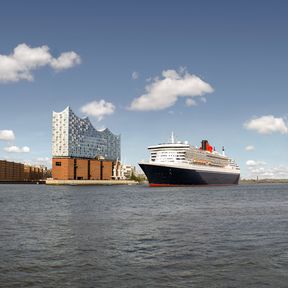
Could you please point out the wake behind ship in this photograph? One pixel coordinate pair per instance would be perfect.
(178, 163)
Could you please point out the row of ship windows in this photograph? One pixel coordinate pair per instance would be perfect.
(161, 158)
(166, 160)
(168, 155)
(169, 152)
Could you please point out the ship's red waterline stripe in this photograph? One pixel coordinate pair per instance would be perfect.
(163, 185)
(179, 185)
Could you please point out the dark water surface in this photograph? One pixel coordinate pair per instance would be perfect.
(136, 236)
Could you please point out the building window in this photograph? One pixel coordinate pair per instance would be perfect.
(58, 163)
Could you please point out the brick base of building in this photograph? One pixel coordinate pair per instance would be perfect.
(81, 169)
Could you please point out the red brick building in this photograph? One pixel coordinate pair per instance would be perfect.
(81, 169)
(18, 172)
(10, 171)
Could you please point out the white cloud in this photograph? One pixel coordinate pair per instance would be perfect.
(135, 75)
(190, 102)
(20, 64)
(7, 135)
(267, 124)
(40, 161)
(45, 161)
(98, 109)
(163, 93)
(259, 169)
(255, 163)
(249, 148)
(16, 149)
(65, 60)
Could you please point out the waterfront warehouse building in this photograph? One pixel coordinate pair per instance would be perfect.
(18, 172)
(74, 137)
(82, 169)
(79, 151)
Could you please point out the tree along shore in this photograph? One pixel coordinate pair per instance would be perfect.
(260, 181)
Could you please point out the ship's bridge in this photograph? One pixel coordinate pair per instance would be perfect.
(168, 152)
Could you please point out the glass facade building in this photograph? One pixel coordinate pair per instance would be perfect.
(77, 138)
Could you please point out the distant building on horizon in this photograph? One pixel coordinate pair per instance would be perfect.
(75, 137)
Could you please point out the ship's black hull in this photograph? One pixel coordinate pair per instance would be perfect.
(164, 176)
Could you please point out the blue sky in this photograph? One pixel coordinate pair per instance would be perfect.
(238, 49)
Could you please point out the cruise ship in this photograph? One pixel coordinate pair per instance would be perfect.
(178, 163)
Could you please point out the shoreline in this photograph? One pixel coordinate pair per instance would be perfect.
(264, 181)
(90, 182)
(23, 182)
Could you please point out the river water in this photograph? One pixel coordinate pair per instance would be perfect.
(136, 236)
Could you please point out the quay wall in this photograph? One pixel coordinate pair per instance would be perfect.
(90, 182)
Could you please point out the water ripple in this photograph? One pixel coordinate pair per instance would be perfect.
(142, 237)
